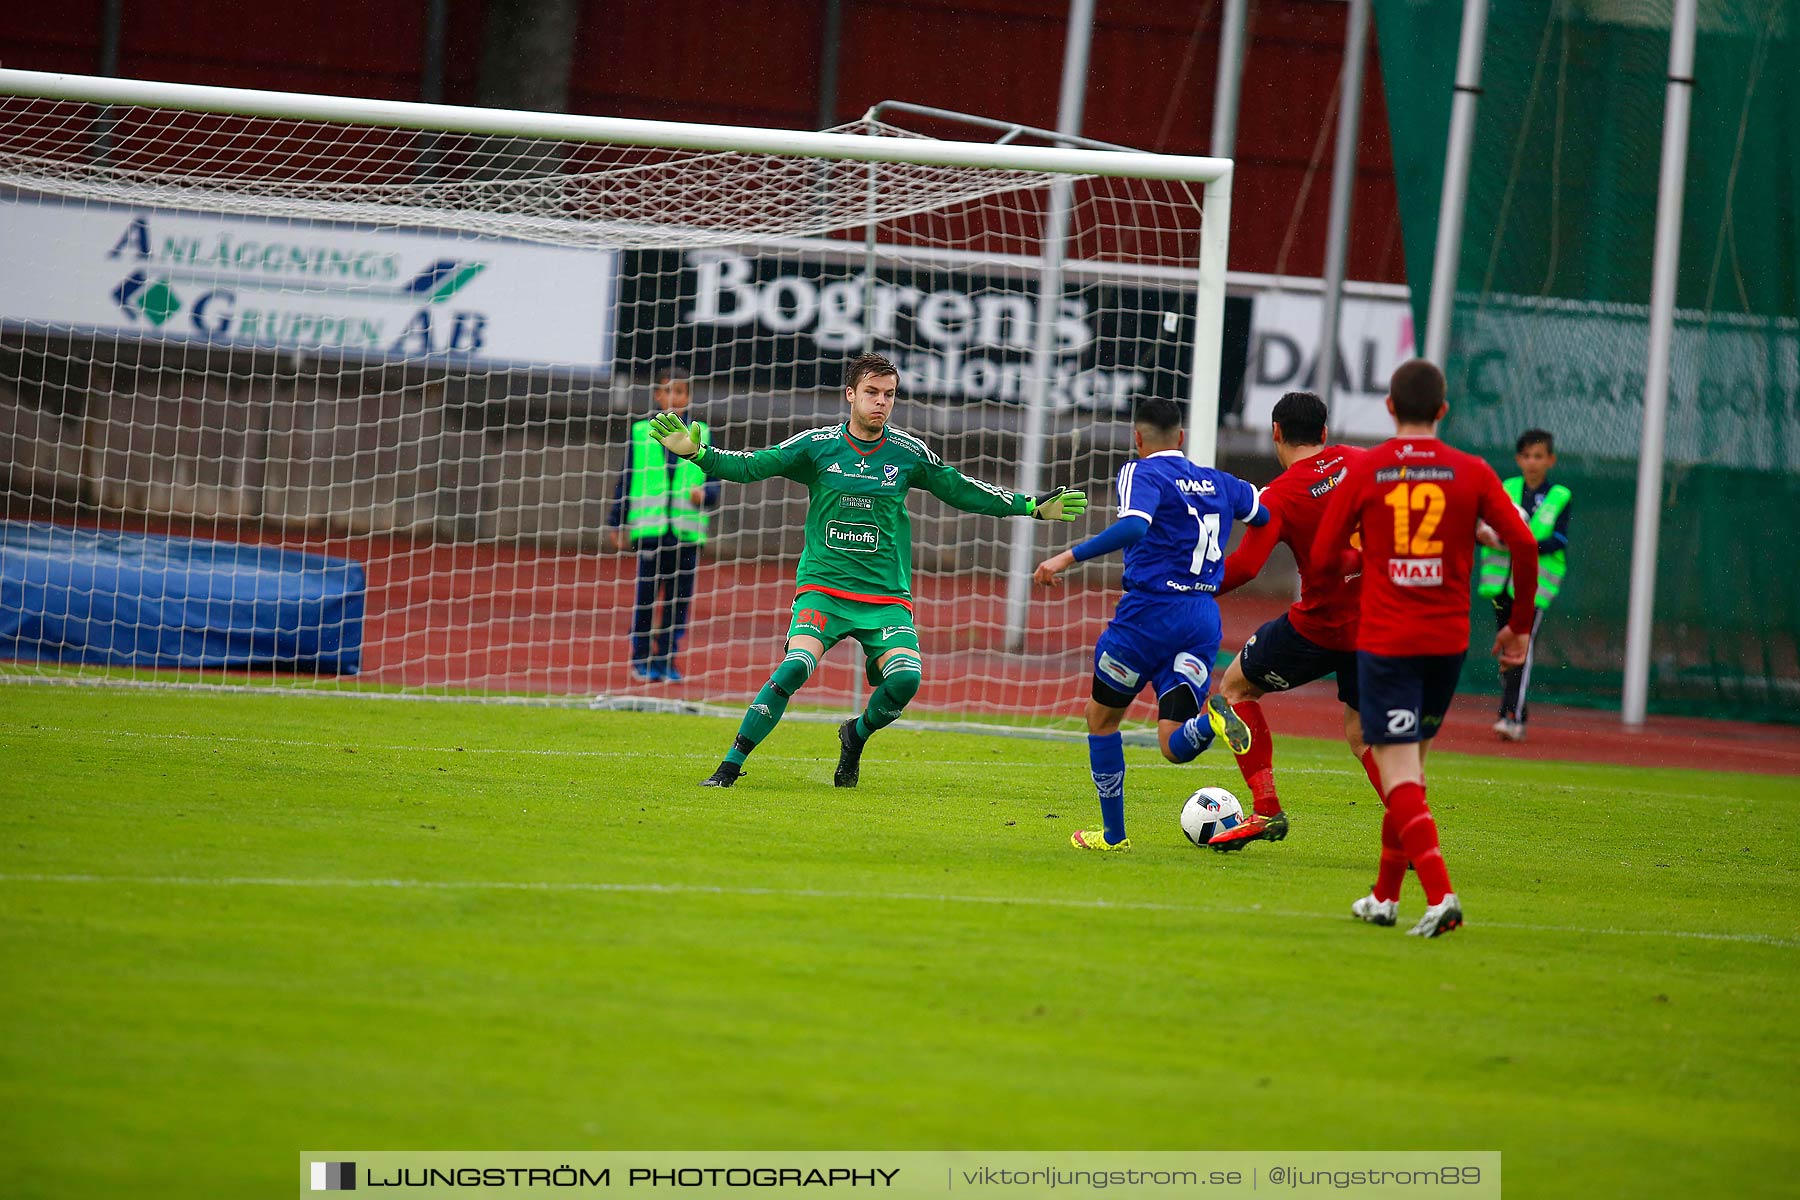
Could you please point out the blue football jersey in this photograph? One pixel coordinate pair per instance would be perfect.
(1190, 509)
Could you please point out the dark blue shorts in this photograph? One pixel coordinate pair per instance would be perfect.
(1404, 699)
(1279, 657)
(1139, 647)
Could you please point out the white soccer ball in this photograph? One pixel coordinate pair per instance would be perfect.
(1208, 811)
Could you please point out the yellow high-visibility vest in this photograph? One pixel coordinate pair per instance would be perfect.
(661, 501)
(1494, 567)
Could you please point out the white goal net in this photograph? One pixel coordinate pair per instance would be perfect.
(304, 392)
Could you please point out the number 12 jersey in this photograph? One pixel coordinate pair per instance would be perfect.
(1416, 501)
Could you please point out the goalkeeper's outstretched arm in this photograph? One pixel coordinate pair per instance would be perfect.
(972, 495)
(786, 459)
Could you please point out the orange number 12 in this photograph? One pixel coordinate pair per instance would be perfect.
(1407, 499)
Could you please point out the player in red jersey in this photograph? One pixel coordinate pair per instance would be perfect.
(1315, 637)
(1418, 502)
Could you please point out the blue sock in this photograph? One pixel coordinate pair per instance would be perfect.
(1106, 759)
(1194, 736)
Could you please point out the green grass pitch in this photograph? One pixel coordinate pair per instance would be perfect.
(239, 926)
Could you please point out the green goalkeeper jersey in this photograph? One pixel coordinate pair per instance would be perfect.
(858, 534)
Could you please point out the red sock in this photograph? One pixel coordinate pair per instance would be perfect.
(1373, 772)
(1258, 763)
(1392, 873)
(1419, 838)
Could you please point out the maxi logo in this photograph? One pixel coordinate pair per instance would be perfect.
(852, 536)
(1416, 572)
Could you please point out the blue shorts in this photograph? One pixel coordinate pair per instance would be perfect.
(1139, 647)
(1405, 699)
(1279, 657)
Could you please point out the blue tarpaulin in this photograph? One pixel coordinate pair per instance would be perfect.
(145, 600)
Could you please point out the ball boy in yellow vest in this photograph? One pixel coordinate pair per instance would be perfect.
(662, 507)
(1545, 506)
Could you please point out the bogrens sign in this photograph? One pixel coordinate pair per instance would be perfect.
(770, 320)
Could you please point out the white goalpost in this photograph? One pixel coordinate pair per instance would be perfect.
(336, 394)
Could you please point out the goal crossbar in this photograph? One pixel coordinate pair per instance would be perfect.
(444, 118)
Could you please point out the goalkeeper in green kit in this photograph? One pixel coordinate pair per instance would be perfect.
(855, 576)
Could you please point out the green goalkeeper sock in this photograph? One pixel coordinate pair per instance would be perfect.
(898, 686)
(765, 711)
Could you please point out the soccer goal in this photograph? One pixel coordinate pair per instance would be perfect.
(324, 393)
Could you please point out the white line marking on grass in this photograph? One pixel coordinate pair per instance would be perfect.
(1349, 769)
(691, 889)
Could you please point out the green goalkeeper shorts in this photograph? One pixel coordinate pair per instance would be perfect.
(879, 627)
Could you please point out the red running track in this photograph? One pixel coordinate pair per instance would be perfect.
(554, 622)
(557, 622)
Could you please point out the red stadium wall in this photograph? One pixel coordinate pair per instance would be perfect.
(757, 62)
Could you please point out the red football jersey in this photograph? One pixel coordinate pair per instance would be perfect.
(1417, 501)
(1330, 594)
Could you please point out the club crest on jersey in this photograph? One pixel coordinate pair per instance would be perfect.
(1416, 572)
(890, 474)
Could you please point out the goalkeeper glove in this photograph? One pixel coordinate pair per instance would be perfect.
(1063, 504)
(675, 434)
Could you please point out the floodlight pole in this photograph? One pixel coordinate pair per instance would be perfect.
(1043, 356)
(1452, 199)
(1209, 295)
(1343, 184)
(1231, 78)
(1647, 524)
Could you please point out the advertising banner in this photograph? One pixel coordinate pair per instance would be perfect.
(1375, 335)
(331, 289)
(776, 321)
(1577, 367)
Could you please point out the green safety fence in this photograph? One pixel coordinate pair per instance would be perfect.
(1550, 325)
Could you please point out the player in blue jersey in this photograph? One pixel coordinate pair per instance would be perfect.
(1174, 520)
